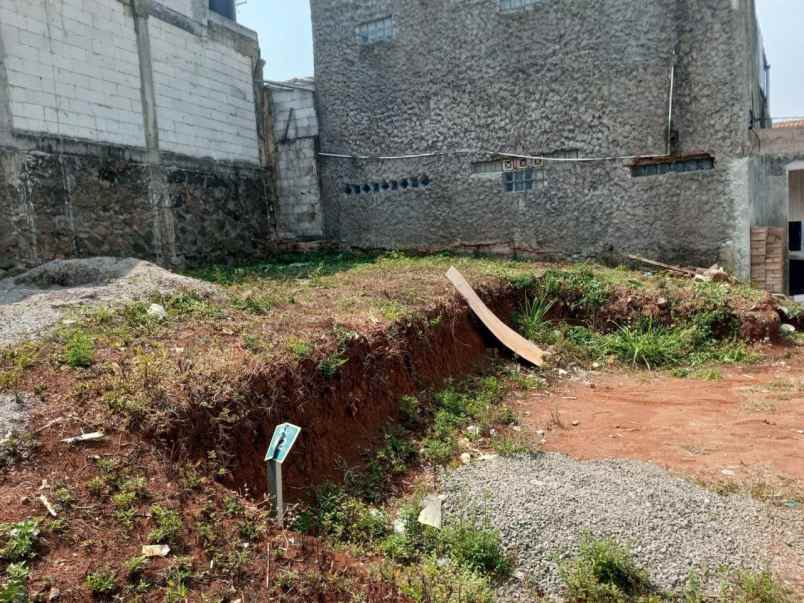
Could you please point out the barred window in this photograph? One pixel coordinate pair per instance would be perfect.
(519, 181)
(379, 30)
(698, 164)
(513, 5)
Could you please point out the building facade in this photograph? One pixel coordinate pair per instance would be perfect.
(131, 128)
(560, 129)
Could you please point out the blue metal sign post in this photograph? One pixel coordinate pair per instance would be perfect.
(284, 437)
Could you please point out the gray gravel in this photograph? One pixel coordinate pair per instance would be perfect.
(543, 504)
(33, 302)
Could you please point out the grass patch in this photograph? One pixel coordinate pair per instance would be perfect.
(755, 587)
(14, 589)
(168, 526)
(603, 572)
(101, 582)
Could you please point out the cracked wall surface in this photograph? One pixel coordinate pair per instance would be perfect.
(587, 76)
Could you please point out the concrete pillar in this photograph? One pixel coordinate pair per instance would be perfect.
(6, 138)
(164, 227)
(142, 9)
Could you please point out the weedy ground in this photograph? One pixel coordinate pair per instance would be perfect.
(137, 378)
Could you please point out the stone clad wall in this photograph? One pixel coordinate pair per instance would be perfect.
(466, 81)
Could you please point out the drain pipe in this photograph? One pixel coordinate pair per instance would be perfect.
(670, 104)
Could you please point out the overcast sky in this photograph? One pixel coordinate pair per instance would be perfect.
(287, 46)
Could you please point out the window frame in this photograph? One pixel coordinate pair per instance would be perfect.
(376, 31)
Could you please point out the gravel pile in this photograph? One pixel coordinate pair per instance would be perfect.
(543, 504)
(34, 301)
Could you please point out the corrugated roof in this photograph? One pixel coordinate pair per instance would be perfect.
(791, 123)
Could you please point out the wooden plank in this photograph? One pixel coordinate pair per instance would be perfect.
(509, 338)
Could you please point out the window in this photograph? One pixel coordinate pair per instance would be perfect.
(379, 30)
(223, 7)
(697, 164)
(416, 182)
(519, 181)
(514, 5)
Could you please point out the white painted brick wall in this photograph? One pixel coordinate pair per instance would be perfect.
(73, 69)
(204, 96)
(305, 119)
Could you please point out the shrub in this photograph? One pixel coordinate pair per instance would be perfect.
(603, 572)
(649, 345)
(80, 350)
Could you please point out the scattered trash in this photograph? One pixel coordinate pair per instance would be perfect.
(85, 437)
(54, 595)
(787, 329)
(517, 428)
(487, 457)
(157, 311)
(728, 472)
(576, 423)
(155, 550)
(792, 504)
(473, 430)
(68, 322)
(431, 511)
(466, 458)
(51, 511)
(399, 526)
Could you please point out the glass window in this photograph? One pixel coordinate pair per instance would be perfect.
(379, 30)
(513, 5)
(519, 181)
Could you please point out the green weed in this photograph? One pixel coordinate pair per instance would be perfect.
(755, 587)
(15, 587)
(330, 365)
(79, 351)
(301, 349)
(532, 320)
(603, 572)
(433, 581)
(168, 525)
(19, 540)
(476, 549)
(102, 582)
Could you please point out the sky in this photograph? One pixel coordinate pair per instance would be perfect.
(287, 44)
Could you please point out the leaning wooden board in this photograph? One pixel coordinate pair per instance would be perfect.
(509, 338)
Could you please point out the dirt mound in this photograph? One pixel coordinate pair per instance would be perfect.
(34, 301)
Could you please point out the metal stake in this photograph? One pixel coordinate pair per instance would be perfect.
(275, 485)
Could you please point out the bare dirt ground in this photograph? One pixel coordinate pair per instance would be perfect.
(738, 430)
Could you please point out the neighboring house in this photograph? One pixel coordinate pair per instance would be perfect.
(579, 129)
(131, 128)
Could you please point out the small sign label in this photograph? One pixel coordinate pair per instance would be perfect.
(285, 436)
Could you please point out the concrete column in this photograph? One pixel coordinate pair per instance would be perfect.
(6, 137)
(142, 9)
(164, 227)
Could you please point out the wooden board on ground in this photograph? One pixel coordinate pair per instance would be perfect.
(507, 336)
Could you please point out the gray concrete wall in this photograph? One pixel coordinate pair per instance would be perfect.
(171, 171)
(295, 138)
(579, 75)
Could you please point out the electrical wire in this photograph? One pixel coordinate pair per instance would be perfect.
(494, 153)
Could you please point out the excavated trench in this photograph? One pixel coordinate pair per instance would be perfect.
(341, 416)
(344, 415)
